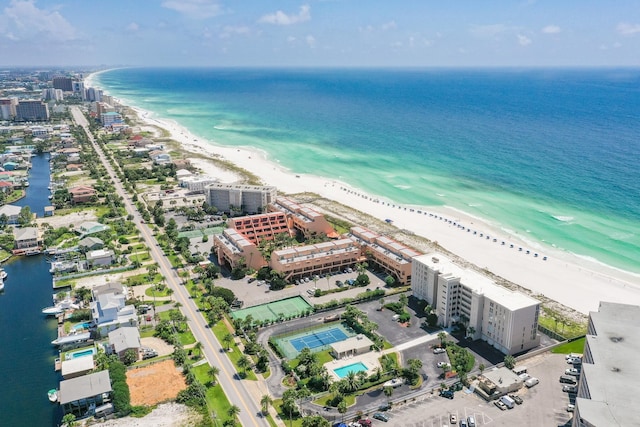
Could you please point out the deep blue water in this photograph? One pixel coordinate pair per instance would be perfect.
(548, 154)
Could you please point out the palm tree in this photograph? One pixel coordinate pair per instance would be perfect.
(244, 363)
(471, 331)
(342, 408)
(388, 391)
(442, 336)
(198, 347)
(213, 373)
(170, 293)
(404, 300)
(228, 338)
(265, 402)
(351, 381)
(481, 367)
(233, 411)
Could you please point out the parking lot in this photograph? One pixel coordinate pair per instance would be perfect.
(543, 405)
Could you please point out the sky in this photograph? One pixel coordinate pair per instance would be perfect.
(320, 33)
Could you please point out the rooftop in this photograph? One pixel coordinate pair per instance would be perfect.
(84, 387)
(613, 378)
(477, 282)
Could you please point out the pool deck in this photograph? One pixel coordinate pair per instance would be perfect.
(370, 360)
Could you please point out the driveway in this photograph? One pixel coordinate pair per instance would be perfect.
(158, 345)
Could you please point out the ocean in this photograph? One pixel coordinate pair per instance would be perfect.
(547, 154)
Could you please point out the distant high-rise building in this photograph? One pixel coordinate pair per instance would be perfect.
(8, 108)
(63, 83)
(94, 95)
(32, 111)
(52, 94)
(79, 90)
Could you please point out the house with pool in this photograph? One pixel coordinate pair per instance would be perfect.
(83, 395)
(109, 309)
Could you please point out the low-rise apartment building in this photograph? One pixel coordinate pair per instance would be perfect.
(507, 320)
(257, 228)
(303, 219)
(610, 377)
(233, 248)
(394, 257)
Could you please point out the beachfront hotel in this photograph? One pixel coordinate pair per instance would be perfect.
(247, 198)
(303, 219)
(507, 320)
(393, 257)
(610, 376)
(233, 248)
(257, 228)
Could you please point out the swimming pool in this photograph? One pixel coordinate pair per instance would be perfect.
(354, 367)
(79, 326)
(81, 353)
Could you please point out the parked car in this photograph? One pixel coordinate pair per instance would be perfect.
(572, 371)
(516, 399)
(574, 361)
(447, 393)
(471, 421)
(531, 382)
(251, 280)
(500, 405)
(453, 419)
(571, 407)
(463, 423)
(573, 356)
(569, 388)
(380, 416)
(442, 364)
(439, 350)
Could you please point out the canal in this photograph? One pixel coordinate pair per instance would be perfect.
(26, 353)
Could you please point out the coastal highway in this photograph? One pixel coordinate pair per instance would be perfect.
(233, 387)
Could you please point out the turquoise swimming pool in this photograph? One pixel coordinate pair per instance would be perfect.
(80, 353)
(354, 367)
(79, 326)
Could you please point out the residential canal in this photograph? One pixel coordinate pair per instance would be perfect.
(26, 353)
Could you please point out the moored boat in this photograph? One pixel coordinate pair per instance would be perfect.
(53, 395)
(3, 273)
(1, 285)
(59, 308)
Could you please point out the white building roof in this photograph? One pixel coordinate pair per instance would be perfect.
(477, 282)
(84, 387)
(77, 364)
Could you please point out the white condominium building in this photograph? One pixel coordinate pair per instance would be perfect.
(506, 319)
(245, 198)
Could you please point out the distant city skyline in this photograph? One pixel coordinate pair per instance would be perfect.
(331, 33)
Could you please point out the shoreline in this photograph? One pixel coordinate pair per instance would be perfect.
(569, 279)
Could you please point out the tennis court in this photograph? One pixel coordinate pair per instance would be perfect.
(316, 339)
(273, 310)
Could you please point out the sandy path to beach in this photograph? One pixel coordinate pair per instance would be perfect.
(568, 279)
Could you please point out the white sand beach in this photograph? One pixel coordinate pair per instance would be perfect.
(571, 280)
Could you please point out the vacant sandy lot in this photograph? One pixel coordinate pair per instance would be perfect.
(165, 415)
(155, 383)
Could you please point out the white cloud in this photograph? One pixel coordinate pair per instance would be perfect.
(627, 29)
(491, 30)
(23, 20)
(133, 27)
(391, 25)
(291, 39)
(311, 41)
(231, 30)
(551, 29)
(523, 40)
(199, 9)
(281, 18)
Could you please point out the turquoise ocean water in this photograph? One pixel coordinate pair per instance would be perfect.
(549, 154)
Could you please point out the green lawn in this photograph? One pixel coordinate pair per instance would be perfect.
(186, 337)
(569, 329)
(296, 422)
(150, 292)
(576, 346)
(349, 398)
(216, 399)
(220, 330)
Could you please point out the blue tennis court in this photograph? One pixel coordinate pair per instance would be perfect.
(316, 338)
(319, 339)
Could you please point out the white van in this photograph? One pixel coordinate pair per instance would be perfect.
(396, 317)
(519, 370)
(508, 402)
(531, 382)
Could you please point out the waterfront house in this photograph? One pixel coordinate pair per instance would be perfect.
(91, 227)
(6, 186)
(77, 367)
(81, 396)
(123, 339)
(12, 212)
(83, 194)
(74, 167)
(100, 257)
(90, 244)
(109, 309)
(160, 157)
(10, 166)
(27, 238)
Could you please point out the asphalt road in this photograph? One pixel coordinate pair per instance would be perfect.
(234, 389)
